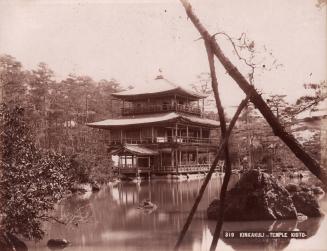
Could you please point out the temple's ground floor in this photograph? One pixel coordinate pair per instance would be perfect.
(137, 160)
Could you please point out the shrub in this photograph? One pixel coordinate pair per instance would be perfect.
(31, 181)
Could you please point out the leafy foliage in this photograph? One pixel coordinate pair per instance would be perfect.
(42, 121)
(90, 168)
(80, 168)
(32, 180)
(11, 75)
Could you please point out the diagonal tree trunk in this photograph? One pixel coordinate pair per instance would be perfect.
(228, 167)
(214, 85)
(221, 149)
(256, 99)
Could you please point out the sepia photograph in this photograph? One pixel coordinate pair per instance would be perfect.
(183, 125)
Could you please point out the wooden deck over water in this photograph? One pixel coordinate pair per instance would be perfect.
(180, 169)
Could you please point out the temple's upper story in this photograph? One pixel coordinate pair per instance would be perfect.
(162, 104)
(161, 118)
(160, 96)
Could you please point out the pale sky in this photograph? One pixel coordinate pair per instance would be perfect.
(131, 40)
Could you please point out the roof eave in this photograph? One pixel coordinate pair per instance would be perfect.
(131, 97)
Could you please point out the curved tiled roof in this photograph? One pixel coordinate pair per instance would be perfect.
(159, 87)
(136, 150)
(153, 119)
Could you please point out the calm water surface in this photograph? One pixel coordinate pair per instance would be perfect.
(111, 220)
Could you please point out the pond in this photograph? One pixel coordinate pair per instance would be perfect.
(110, 220)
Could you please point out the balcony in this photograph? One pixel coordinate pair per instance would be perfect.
(131, 169)
(183, 168)
(166, 140)
(161, 108)
(186, 168)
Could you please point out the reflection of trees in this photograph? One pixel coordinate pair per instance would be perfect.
(111, 217)
(76, 210)
(310, 226)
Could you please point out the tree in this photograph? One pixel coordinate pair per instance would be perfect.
(256, 98)
(40, 82)
(203, 86)
(277, 104)
(310, 102)
(31, 181)
(13, 86)
(102, 102)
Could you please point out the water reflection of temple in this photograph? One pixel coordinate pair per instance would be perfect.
(114, 220)
(168, 195)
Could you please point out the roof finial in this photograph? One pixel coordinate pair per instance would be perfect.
(160, 76)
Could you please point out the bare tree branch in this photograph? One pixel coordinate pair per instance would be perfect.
(257, 100)
(252, 66)
(51, 218)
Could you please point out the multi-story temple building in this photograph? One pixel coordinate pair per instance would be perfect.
(161, 131)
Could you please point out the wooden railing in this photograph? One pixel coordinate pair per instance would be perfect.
(169, 139)
(131, 169)
(131, 141)
(161, 108)
(186, 168)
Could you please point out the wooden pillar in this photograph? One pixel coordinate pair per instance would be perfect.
(108, 137)
(188, 157)
(187, 139)
(125, 160)
(175, 103)
(121, 136)
(132, 161)
(160, 160)
(197, 155)
(119, 165)
(180, 156)
(123, 105)
(176, 129)
(166, 135)
(176, 158)
(152, 134)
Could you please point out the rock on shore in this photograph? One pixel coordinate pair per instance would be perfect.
(57, 243)
(304, 199)
(256, 196)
